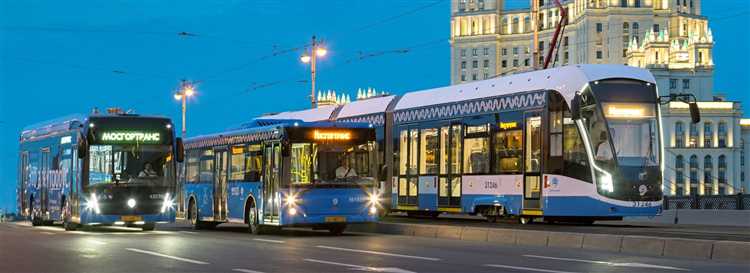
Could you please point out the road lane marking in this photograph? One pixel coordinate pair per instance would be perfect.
(527, 268)
(269, 241)
(97, 242)
(189, 232)
(166, 256)
(48, 233)
(363, 268)
(246, 270)
(638, 265)
(379, 253)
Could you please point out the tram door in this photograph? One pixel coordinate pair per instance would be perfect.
(532, 191)
(271, 202)
(220, 184)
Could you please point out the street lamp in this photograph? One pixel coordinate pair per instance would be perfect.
(187, 89)
(316, 50)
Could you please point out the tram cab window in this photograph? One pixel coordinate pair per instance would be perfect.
(477, 150)
(508, 151)
(575, 159)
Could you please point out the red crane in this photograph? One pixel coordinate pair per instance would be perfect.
(559, 29)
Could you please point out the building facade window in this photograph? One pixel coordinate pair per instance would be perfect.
(504, 63)
(672, 84)
(599, 28)
(463, 52)
(480, 4)
(486, 63)
(679, 175)
(656, 28)
(526, 62)
(742, 160)
(474, 76)
(708, 166)
(637, 3)
(723, 175)
(722, 134)
(515, 63)
(694, 174)
(679, 135)
(504, 51)
(599, 54)
(463, 77)
(624, 3)
(685, 83)
(625, 28)
(708, 135)
(463, 65)
(474, 64)
(486, 51)
(693, 140)
(515, 51)
(474, 52)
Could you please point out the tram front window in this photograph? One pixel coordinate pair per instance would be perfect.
(623, 132)
(331, 163)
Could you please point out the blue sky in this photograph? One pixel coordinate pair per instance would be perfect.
(58, 58)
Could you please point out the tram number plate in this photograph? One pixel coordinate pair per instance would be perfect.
(335, 219)
(131, 218)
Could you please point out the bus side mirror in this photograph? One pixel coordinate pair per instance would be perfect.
(179, 150)
(575, 107)
(83, 146)
(695, 113)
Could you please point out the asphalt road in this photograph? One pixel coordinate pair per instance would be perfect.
(730, 233)
(177, 248)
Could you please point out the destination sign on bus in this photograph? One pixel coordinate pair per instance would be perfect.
(131, 136)
(331, 135)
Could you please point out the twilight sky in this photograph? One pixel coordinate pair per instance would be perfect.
(63, 57)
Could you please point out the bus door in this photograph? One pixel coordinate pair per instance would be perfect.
(44, 176)
(272, 165)
(73, 198)
(24, 179)
(220, 184)
(532, 191)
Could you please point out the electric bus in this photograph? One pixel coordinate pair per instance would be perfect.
(99, 169)
(576, 143)
(283, 173)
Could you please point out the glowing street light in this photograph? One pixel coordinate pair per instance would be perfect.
(187, 90)
(316, 50)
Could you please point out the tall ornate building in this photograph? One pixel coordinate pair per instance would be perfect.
(669, 37)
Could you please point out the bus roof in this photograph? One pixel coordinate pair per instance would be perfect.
(67, 123)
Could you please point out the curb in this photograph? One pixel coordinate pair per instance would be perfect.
(727, 251)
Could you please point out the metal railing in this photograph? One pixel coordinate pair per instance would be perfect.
(731, 202)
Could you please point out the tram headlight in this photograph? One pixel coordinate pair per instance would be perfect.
(606, 183)
(373, 199)
(93, 204)
(168, 203)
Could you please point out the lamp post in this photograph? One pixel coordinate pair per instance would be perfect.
(316, 50)
(186, 90)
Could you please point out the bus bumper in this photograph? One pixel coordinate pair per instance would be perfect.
(310, 220)
(90, 218)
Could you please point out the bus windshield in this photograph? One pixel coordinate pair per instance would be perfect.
(130, 164)
(332, 163)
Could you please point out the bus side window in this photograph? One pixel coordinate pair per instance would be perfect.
(193, 163)
(253, 160)
(206, 173)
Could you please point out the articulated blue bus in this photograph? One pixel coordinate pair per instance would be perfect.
(277, 174)
(576, 143)
(111, 169)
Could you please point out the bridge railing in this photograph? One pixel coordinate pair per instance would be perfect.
(732, 202)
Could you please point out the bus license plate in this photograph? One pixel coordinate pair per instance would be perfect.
(335, 219)
(131, 218)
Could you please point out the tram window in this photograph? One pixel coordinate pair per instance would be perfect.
(476, 155)
(402, 187)
(413, 153)
(444, 137)
(403, 151)
(508, 151)
(193, 163)
(533, 144)
(455, 149)
(574, 155)
(428, 151)
(237, 168)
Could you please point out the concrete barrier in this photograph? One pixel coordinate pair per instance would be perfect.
(688, 248)
(531, 238)
(565, 240)
(449, 232)
(474, 234)
(731, 251)
(604, 242)
(644, 245)
(502, 236)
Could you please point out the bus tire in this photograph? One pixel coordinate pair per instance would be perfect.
(35, 221)
(193, 215)
(337, 229)
(148, 226)
(252, 221)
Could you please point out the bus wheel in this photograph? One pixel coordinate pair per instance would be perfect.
(337, 229)
(525, 220)
(252, 221)
(148, 226)
(193, 215)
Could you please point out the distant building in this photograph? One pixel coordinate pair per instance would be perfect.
(331, 97)
(668, 37)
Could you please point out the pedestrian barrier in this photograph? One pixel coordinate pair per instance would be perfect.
(729, 251)
(736, 202)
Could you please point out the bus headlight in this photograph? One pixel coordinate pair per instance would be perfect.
(290, 200)
(373, 210)
(93, 204)
(131, 203)
(605, 182)
(292, 211)
(168, 203)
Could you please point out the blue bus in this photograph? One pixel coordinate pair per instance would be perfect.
(577, 143)
(99, 169)
(287, 173)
